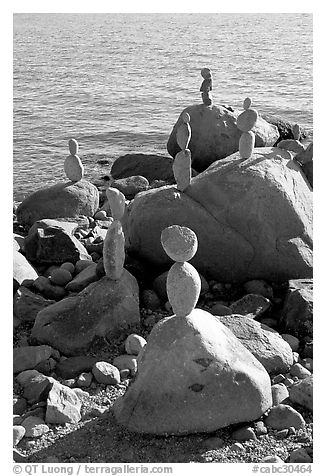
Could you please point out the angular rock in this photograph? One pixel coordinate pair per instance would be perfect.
(194, 376)
(18, 433)
(258, 286)
(244, 433)
(63, 405)
(251, 305)
(35, 427)
(27, 304)
(134, 344)
(215, 135)
(297, 312)
(126, 362)
(64, 199)
(36, 386)
(106, 373)
(74, 366)
(299, 455)
(152, 167)
(285, 128)
(130, 186)
(292, 341)
(298, 370)
(272, 240)
(263, 342)
(282, 416)
(22, 270)
(102, 307)
(84, 278)
(302, 393)
(279, 393)
(53, 245)
(27, 357)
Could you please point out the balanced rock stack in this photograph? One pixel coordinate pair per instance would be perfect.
(245, 122)
(114, 242)
(73, 166)
(206, 87)
(182, 162)
(194, 374)
(292, 145)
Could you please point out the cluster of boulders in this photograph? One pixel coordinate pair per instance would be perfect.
(88, 263)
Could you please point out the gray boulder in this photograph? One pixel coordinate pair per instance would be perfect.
(102, 307)
(28, 357)
(53, 244)
(63, 405)
(194, 376)
(22, 269)
(297, 312)
(269, 348)
(215, 135)
(302, 393)
(27, 304)
(64, 199)
(253, 219)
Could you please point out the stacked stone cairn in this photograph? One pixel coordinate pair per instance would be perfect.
(114, 242)
(182, 162)
(73, 166)
(206, 87)
(245, 122)
(293, 145)
(194, 375)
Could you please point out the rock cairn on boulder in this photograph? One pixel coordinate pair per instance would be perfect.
(73, 166)
(193, 375)
(114, 242)
(245, 122)
(182, 162)
(183, 281)
(206, 87)
(293, 145)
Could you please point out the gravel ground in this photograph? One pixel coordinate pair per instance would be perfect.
(98, 439)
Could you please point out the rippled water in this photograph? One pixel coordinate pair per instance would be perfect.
(117, 82)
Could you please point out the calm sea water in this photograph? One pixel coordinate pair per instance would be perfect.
(117, 82)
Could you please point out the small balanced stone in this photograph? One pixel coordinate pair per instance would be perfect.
(245, 122)
(182, 169)
(183, 281)
(184, 132)
(73, 147)
(179, 242)
(206, 86)
(73, 166)
(114, 251)
(296, 132)
(117, 202)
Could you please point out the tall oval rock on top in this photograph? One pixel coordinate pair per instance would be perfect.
(215, 135)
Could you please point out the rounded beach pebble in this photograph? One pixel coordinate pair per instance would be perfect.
(106, 373)
(247, 119)
(134, 344)
(69, 267)
(60, 276)
(179, 242)
(183, 288)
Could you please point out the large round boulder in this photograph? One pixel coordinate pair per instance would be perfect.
(215, 135)
(64, 199)
(252, 217)
(194, 376)
(103, 307)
